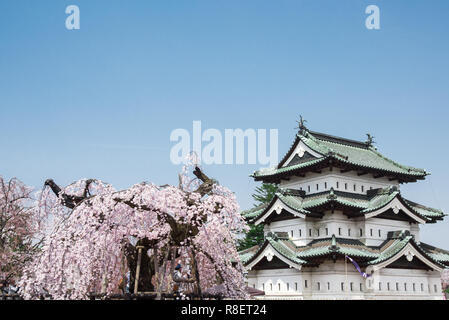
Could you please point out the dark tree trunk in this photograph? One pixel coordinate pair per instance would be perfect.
(146, 266)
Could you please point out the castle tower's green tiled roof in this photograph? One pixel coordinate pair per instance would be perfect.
(397, 242)
(254, 212)
(352, 204)
(339, 152)
(323, 247)
(425, 211)
(332, 247)
(437, 254)
(392, 247)
(282, 246)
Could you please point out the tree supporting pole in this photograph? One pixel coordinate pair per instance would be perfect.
(197, 274)
(163, 273)
(156, 272)
(139, 260)
(172, 264)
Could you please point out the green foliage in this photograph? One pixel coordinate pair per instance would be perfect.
(263, 194)
(253, 237)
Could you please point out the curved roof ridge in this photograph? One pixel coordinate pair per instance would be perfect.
(418, 205)
(290, 150)
(276, 242)
(390, 197)
(339, 140)
(391, 248)
(277, 245)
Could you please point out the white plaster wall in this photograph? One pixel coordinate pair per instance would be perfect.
(330, 281)
(328, 179)
(315, 228)
(337, 223)
(277, 282)
(389, 283)
(414, 230)
(292, 227)
(384, 226)
(337, 281)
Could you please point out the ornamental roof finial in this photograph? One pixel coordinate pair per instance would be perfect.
(370, 141)
(333, 246)
(332, 195)
(301, 125)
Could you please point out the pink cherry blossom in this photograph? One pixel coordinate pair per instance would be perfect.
(85, 251)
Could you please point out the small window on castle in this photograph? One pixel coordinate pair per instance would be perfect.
(317, 187)
(325, 185)
(361, 232)
(263, 286)
(380, 286)
(361, 286)
(351, 286)
(254, 286)
(388, 286)
(435, 287)
(310, 232)
(271, 287)
(327, 231)
(397, 286)
(317, 232)
(379, 233)
(296, 286)
(422, 287)
(355, 187)
(279, 287)
(346, 186)
(338, 185)
(414, 287)
(308, 188)
(305, 283)
(349, 232)
(318, 286)
(339, 231)
(342, 286)
(371, 232)
(329, 286)
(300, 235)
(291, 232)
(288, 286)
(405, 286)
(363, 188)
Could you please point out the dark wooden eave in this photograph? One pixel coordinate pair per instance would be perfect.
(335, 162)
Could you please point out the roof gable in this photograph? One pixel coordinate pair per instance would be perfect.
(273, 247)
(404, 246)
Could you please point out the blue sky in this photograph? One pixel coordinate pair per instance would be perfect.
(102, 101)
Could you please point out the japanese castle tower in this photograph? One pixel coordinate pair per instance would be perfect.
(341, 198)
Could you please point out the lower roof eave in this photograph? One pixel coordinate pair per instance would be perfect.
(412, 251)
